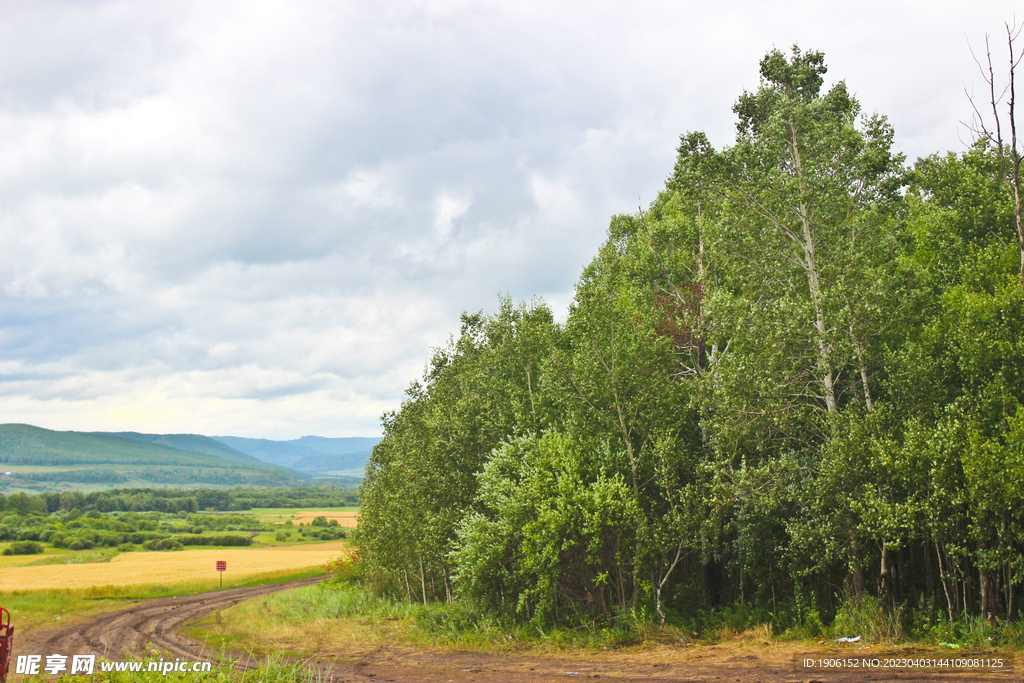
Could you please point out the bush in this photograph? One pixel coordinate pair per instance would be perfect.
(163, 544)
(24, 548)
(868, 618)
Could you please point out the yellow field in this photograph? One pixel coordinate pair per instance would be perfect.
(173, 568)
(346, 518)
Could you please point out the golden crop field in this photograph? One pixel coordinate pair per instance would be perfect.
(346, 518)
(173, 568)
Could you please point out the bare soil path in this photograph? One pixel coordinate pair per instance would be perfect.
(155, 624)
(150, 622)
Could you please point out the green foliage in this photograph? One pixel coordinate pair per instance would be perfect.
(477, 391)
(792, 389)
(24, 548)
(551, 531)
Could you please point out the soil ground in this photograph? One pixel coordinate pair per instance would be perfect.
(156, 624)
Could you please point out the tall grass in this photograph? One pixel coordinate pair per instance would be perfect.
(274, 670)
(868, 619)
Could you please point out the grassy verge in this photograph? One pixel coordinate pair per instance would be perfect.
(34, 609)
(274, 670)
(345, 616)
(331, 615)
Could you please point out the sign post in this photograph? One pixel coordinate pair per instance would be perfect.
(222, 566)
(6, 642)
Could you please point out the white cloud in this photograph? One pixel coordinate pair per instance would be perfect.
(446, 210)
(257, 217)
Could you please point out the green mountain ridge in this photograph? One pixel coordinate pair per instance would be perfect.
(310, 454)
(34, 458)
(195, 443)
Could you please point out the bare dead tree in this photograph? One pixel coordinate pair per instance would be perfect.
(1009, 169)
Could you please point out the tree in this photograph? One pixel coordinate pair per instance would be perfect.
(479, 390)
(991, 134)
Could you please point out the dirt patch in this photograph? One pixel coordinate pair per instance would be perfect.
(155, 624)
(729, 663)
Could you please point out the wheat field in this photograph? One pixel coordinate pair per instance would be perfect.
(187, 568)
(347, 517)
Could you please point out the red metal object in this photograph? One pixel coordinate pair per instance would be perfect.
(6, 643)
(222, 565)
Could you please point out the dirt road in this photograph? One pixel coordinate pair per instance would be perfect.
(155, 624)
(152, 622)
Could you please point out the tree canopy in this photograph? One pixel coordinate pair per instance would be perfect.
(795, 379)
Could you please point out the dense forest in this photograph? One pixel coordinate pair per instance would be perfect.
(792, 384)
(177, 500)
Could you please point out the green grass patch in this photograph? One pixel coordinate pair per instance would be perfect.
(299, 619)
(274, 670)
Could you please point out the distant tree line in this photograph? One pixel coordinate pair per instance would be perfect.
(177, 500)
(78, 530)
(795, 382)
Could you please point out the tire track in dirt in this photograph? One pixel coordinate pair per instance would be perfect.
(154, 622)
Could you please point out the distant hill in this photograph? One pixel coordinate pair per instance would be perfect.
(193, 442)
(44, 459)
(310, 454)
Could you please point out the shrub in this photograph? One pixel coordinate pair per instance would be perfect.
(867, 618)
(24, 548)
(163, 544)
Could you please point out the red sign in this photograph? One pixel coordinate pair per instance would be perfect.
(222, 565)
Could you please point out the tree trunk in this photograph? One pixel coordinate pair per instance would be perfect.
(1015, 158)
(813, 283)
(423, 582)
(884, 576)
(987, 580)
(947, 583)
(859, 348)
(929, 573)
(1011, 594)
(857, 574)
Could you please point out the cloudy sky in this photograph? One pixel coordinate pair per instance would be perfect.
(255, 218)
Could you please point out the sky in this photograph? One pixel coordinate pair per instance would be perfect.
(257, 218)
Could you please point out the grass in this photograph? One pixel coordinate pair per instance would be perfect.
(49, 607)
(275, 670)
(345, 616)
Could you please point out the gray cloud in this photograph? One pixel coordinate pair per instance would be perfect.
(256, 218)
